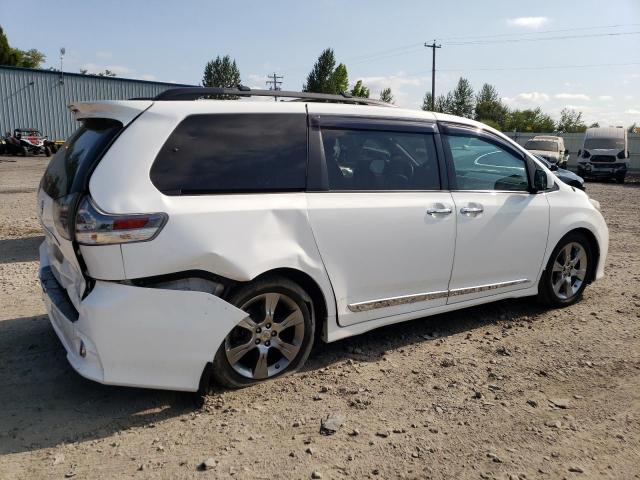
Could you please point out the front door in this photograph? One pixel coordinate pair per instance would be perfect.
(501, 227)
(384, 228)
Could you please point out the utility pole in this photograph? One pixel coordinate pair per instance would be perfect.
(274, 83)
(433, 47)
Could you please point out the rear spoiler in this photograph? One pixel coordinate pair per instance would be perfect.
(125, 111)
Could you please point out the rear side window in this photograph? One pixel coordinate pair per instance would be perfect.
(70, 167)
(380, 160)
(233, 153)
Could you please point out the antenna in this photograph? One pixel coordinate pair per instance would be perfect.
(62, 52)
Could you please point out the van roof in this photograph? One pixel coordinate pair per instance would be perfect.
(605, 132)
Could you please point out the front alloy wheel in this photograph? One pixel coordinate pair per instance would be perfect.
(567, 272)
(275, 337)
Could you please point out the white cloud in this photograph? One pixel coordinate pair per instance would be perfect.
(605, 98)
(572, 96)
(104, 55)
(533, 23)
(398, 84)
(527, 99)
(632, 111)
(147, 76)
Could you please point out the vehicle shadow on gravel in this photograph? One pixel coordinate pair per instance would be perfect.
(44, 402)
(24, 249)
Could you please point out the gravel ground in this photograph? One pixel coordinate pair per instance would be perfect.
(508, 390)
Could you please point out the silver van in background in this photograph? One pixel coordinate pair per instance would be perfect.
(604, 154)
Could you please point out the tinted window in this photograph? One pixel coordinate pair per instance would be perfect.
(71, 165)
(233, 153)
(542, 145)
(375, 160)
(481, 165)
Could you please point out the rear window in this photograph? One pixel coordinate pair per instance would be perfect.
(70, 167)
(233, 153)
(542, 145)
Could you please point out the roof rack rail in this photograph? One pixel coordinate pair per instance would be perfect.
(195, 93)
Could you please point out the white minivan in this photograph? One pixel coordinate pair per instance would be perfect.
(188, 238)
(604, 154)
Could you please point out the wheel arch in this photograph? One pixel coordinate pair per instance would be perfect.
(593, 243)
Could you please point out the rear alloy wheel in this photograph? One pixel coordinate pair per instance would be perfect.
(567, 272)
(275, 338)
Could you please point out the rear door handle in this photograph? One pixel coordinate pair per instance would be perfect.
(471, 210)
(439, 210)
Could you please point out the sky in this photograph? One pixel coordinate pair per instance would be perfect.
(580, 54)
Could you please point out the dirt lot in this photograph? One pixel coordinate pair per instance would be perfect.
(509, 390)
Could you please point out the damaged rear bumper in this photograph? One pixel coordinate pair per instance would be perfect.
(137, 336)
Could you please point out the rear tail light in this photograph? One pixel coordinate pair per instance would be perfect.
(94, 227)
(62, 208)
(585, 154)
(621, 154)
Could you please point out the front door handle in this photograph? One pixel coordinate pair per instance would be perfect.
(471, 210)
(439, 210)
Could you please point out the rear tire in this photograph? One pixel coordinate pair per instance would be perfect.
(568, 271)
(273, 341)
(47, 152)
(620, 179)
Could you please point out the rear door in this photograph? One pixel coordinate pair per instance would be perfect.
(381, 218)
(501, 227)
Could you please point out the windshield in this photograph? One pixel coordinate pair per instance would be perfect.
(75, 160)
(541, 145)
(604, 143)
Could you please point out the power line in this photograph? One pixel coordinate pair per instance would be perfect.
(541, 32)
(563, 37)
(541, 67)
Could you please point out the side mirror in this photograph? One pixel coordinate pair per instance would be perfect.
(566, 152)
(539, 180)
(553, 167)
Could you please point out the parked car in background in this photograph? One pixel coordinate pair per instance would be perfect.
(27, 141)
(604, 154)
(549, 147)
(567, 176)
(187, 239)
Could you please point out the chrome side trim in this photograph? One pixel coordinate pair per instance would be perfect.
(484, 288)
(423, 297)
(392, 302)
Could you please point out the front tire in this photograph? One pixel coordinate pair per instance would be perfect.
(567, 273)
(274, 340)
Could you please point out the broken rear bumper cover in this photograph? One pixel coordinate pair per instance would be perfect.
(137, 336)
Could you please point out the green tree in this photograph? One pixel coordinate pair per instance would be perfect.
(340, 79)
(360, 90)
(386, 95)
(462, 99)
(223, 73)
(594, 125)
(321, 79)
(633, 129)
(571, 122)
(19, 58)
(29, 58)
(530, 120)
(489, 108)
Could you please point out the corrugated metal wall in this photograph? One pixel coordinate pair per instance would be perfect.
(573, 142)
(38, 98)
